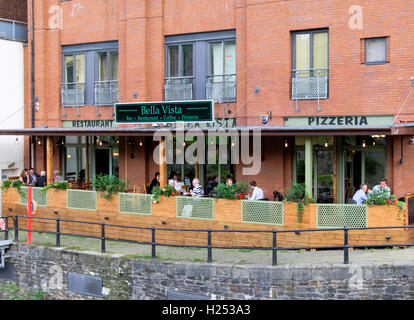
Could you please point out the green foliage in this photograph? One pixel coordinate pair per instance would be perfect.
(297, 194)
(58, 185)
(325, 179)
(5, 185)
(381, 197)
(107, 185)
(17, 184)
(12, 292)
(237, 190)
(166, 191)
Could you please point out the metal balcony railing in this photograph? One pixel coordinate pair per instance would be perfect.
(178, 88)
(106, 92)
(308, 84)
(73, 94)
(221, 88)
(13, 29)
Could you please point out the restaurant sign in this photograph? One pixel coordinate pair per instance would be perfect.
(335, 121)
(165, 112)
(89, 123)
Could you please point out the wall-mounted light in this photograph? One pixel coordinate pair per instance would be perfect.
(140, 142)
(374, 143)
(100, 143)
(326, 144)
(17, 140)
(232, 144)
(363, 144)
(286, 143)
(69, 156)
(353, 151)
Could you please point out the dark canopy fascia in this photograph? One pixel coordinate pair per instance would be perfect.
(149, 131)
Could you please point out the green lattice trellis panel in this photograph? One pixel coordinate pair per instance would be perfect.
(81, 199)
(37, 194)
(263, 212)
(341, 215)
(135, 203)
(195, 208)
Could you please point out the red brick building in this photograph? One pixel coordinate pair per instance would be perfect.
(330, 76)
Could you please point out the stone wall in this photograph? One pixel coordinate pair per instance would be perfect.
(47, 268)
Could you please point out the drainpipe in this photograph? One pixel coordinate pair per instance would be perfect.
(32, 80)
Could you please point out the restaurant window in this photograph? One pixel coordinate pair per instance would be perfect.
(310, 60)
(376, 51)
(201, 66)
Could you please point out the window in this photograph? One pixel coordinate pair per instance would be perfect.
(90, 74)
(221, 81)
(201, 66)
(73, 87)
(310, 60)
(376, 51)
(179, 72)
(106, 85)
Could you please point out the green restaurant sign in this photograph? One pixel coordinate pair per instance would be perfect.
(166, 112)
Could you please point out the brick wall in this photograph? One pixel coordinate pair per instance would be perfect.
(13, 9)
(47, 269)
(263, 39)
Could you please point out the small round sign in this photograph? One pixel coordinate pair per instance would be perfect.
(34, 207)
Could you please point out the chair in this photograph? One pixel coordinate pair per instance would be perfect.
(137, 188)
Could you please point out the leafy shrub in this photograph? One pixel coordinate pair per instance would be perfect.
(59, 185)
(381, 197)
(297, 193)
(5, 185)
(166, 191)
(237, 190)
(107, 185)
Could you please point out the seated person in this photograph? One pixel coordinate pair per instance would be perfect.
(382, 186)
(178, 184)
(42, 180)
(361, 195)
(256, 192)
(154, 182)
(211, 184)
(229, 179)
(198, 190)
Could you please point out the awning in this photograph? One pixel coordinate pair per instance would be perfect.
(265, 130)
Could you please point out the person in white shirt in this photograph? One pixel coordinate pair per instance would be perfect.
(256, 192)
(382, 186)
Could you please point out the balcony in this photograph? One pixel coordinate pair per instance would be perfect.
(12, 29)
(221, 88)
(310, 84)
(178, 88)
(73, 94)
(106, 92)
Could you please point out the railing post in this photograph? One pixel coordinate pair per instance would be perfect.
(103, 237)
(274, 250)
(58, 232)
(16, 228)
(209, 249)
(6, 228)
(153, 248)
(346, 250)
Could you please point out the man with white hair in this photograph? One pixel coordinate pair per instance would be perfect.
(41, 181)
(198, 190)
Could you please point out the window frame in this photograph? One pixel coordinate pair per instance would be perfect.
(107, 51)
(180, 55)
(386, 51)
(73, 54)
(90, 51)
(223, 51)
(311, 32)
(200, 43)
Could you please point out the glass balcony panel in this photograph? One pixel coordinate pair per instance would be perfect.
(178, 88)
(221, 88)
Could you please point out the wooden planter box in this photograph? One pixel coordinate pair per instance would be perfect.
(227, 215)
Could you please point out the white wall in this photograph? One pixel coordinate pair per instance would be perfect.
(11, 106)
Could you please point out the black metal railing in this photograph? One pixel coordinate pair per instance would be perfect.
(274, 248)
